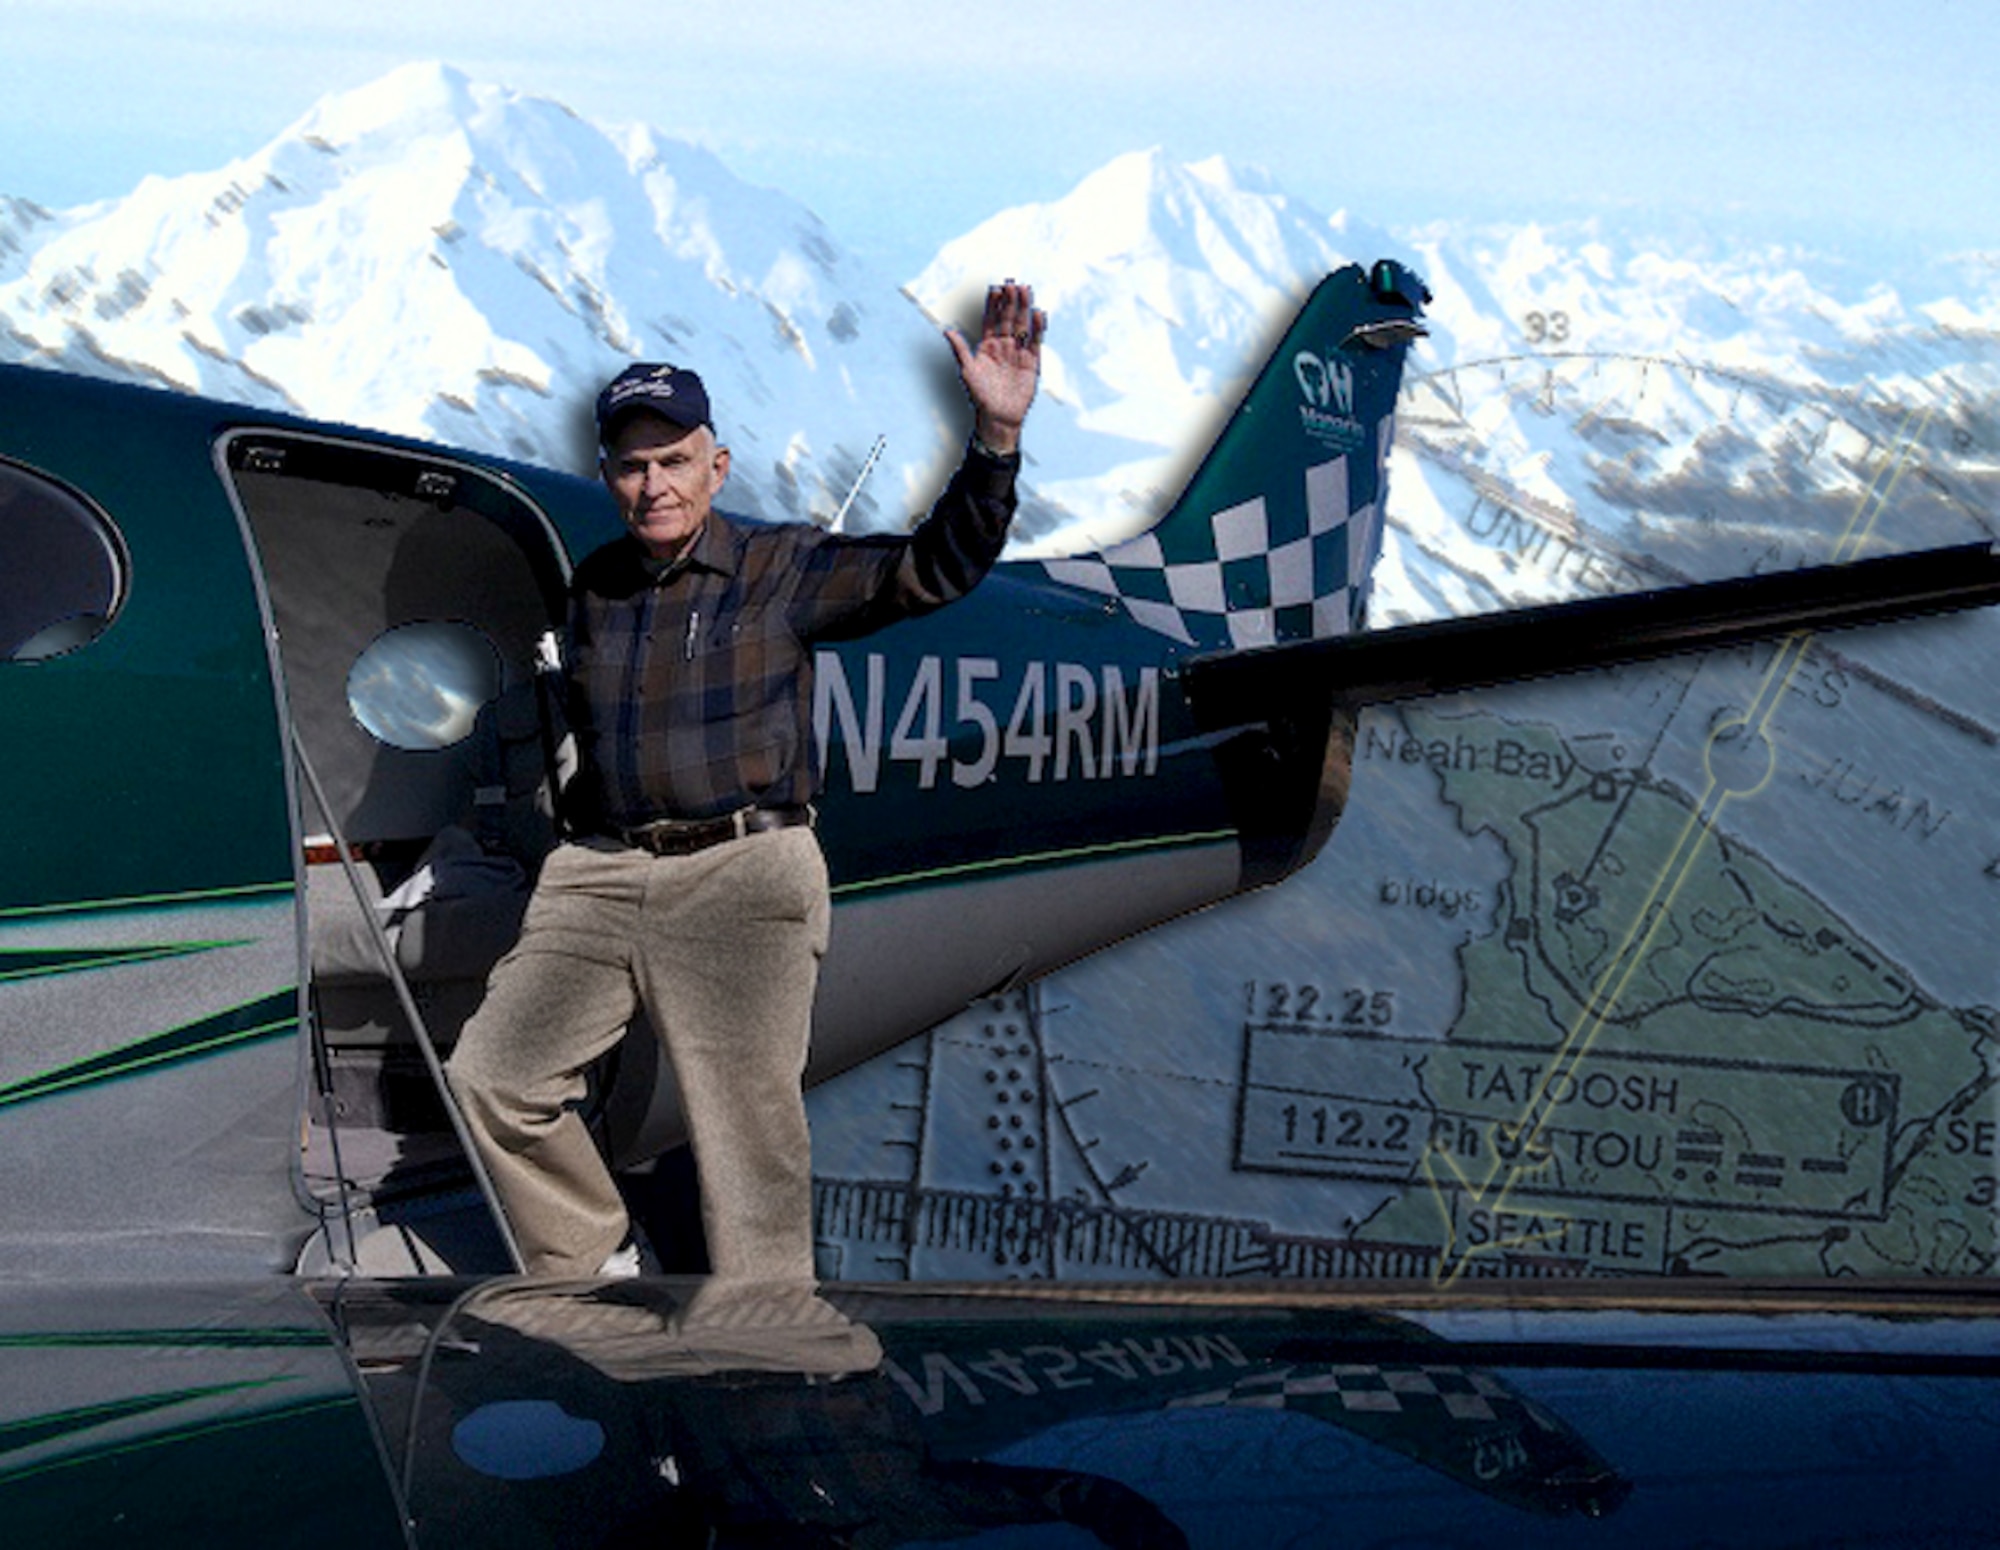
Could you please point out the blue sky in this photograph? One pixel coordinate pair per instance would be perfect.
(904, 122)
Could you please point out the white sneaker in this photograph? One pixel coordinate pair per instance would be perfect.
(633, 1257)
(622, 1263)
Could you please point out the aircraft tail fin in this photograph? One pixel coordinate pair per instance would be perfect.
(1276, 536)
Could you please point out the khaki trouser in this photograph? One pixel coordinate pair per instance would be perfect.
(722, 948)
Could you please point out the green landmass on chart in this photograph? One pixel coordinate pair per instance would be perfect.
(1667, 1045)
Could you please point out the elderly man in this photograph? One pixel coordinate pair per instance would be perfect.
(692, 882)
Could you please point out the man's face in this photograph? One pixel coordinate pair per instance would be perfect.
(665, 479)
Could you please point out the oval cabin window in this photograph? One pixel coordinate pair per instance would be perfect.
(62, 569)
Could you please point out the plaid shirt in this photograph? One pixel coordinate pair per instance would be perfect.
(690, 684)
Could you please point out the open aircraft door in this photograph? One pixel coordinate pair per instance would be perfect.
(410, 597)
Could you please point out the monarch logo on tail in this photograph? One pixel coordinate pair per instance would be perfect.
(1326, 384)
(1276, 536)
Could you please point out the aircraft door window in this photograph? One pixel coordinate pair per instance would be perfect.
(62, 568)
(421, 686)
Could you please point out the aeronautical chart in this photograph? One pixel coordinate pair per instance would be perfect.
(1681, 967)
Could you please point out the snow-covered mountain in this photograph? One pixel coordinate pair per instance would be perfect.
(1167, 284)
(451, 260)
(1582, 389)
(1596, 406)
(1599, 409)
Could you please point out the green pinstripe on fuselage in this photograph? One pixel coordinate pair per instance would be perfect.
(143, 807)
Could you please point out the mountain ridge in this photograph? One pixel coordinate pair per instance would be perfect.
(448, 259)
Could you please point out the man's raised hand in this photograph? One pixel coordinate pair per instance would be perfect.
(1001, 374)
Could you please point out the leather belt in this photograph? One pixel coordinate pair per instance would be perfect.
(685, 836)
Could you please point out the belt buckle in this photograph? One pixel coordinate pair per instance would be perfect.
(685, 836)
(656, 837)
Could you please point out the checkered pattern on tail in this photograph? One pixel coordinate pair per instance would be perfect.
(1462, 1395)
(1266, 571)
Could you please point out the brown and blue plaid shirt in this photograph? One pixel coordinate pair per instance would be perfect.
(690, 684)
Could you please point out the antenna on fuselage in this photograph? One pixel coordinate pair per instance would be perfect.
(867, 467)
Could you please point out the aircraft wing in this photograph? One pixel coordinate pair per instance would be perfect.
(1245, 687)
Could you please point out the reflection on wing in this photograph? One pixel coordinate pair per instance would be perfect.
(737, 1410)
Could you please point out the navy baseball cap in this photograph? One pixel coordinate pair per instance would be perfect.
(670, 392)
